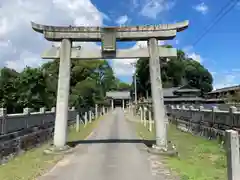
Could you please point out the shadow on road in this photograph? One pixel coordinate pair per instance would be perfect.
(148, 143)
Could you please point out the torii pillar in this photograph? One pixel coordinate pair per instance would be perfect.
(157, 94)
(112, 103)
(60, 135)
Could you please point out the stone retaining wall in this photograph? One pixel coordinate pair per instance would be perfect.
(20, 132)
(211, 123)
(10, 123)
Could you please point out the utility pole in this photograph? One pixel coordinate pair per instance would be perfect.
(146, 94)
(135, 83)
(135, 87)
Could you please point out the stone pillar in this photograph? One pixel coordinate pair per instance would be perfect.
(144, 116)
(43, 111)
(112, 102)
(60, 130)
(123, 104)
(78, 122)
(146, 94)
(96, 111)
(3, 113)
(150, 120)
(103, 109)
(141, 114)
(232, 111)
(27, 112)
(90, 116)
(53, 109)
(232, 150)
(157, 94)
(85, 119)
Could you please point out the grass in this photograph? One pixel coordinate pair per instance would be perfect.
(199, 158)
(33, 163)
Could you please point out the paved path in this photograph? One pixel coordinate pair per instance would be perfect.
(111, 153)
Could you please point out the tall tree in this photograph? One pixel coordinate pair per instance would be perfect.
(175, 72)
(8, 90)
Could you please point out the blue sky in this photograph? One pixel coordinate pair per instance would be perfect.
(218, 51)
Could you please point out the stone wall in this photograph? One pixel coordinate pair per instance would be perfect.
(20, 132)
(210, 122)
(224, 107)
(10, 123)
(201, 119)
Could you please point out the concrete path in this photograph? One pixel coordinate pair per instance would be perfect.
(111, 153)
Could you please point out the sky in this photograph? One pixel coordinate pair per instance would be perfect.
(218, 50)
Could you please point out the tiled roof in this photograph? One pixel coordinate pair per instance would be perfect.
(182, 99)
(225, 89)
(167, 92)
(118, 94)
(188, 90)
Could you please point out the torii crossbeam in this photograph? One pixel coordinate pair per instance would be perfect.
(130, 33)
(88, 54)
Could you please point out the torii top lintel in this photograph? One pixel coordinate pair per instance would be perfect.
(128, 33)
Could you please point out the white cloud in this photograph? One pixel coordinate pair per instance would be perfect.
(135, 4)
(177, 41)
(20, 45)
(152, 8)
(195, 57)
(202, 8)
(26, 59)
(213, 73)
(226, 81)
(122, 20)
(125, 67)
(225, 78)
(189, 51)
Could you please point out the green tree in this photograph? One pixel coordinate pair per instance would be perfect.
(8, 90)
(37, 87)
(32, 88)
(175, 72)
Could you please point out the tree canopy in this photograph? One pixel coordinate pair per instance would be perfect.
(176, 71)
(37, 87)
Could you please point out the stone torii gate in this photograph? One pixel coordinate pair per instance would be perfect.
(108, 36)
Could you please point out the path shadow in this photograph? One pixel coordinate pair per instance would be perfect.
(148, 143)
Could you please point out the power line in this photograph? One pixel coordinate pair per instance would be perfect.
(222, 13)
(230, 5)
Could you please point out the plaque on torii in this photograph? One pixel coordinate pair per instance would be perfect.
(108, 37)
